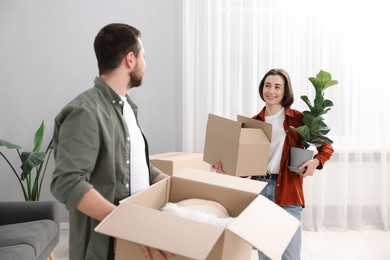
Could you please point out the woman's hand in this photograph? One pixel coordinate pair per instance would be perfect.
(310, 166)
(148, 253)
(217, 166)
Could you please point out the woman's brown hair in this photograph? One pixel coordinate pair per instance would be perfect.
(288, 97)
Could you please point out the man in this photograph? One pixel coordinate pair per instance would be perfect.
(100, 152)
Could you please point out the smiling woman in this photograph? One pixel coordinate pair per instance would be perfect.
(237, 41)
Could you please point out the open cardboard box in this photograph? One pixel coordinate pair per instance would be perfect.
(176, 161)
(258, 222)
(242, 146)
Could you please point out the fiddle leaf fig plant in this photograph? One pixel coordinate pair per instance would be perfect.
(32, 164)
(314, 130)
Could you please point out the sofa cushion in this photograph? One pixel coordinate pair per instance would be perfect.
(37, 234)
(21, 251)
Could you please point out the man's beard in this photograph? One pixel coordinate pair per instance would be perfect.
(134, 80)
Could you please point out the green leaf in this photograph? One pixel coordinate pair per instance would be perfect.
(307, 101)
(319, 100)
(315, 123)
(30, 160)
(303, 132)
(330, 83)
(327, 103)
(320, 140)
(316, 83)
(308, 118)
(324, 76)
(9, 145)
(38, 139)
(321, 131)
(316, 129)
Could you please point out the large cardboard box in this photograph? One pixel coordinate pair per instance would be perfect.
(258, 222)
(242, 146)
(176, 161)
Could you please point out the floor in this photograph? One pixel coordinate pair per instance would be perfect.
(371, 244)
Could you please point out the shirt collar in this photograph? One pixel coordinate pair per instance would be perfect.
(287, 111)
(109, 93)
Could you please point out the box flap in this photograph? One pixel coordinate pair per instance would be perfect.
(161, 230)
(174, 161)
(266, 226)
(253, 153)
(253, 123)
(224, 180)
(175, 156)
(222, 135)
(164, 155)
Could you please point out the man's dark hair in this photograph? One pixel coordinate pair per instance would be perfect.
(113, 42)
(288, 97)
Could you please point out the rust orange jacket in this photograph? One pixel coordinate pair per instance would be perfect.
(289, 185)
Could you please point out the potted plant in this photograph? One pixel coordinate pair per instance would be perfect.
(29, 180)
(314, 130)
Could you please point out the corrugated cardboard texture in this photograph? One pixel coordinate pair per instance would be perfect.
(242, 146)
(253, 152)
(138, 219)
(271, 231)
(172, 162)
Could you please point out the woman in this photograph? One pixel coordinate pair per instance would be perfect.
(284, 187)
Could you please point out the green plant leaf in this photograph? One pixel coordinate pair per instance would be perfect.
(320, 140)
(303, 131)
(315, 123)
(327, 103)
(330, 83)
(30, 160)
(313, 118)
(324, 76)
(319, 100)
(307, 101)
(9, 145)
(321, 131)
(30, 184)
(316, 83)
(38, 139)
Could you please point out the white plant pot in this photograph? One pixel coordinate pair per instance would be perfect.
(299, 156)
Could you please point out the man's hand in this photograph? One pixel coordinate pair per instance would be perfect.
(148, 253)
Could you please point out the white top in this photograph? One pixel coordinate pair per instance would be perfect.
(139, 178)
(278, 137)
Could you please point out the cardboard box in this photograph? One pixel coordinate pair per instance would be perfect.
(176, 161)
(258, 222)
(242, 146)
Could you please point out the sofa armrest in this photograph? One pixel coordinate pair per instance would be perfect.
(12, 212)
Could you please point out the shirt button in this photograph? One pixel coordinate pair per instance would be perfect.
(128, 138)
(277, 185)
(113, 101)
(127, 162)
(127, 185)
(120, 102)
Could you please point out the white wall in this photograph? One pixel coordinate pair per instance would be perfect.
(47, 58)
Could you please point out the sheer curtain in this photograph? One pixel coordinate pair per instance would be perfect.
(229, 45)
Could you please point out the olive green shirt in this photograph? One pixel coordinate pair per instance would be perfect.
(91, 149)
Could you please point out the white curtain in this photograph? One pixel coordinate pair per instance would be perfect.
(228, 45)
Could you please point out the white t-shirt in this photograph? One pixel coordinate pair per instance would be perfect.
(278, 137)
(139, 172)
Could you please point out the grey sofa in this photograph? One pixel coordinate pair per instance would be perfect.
(28, 230)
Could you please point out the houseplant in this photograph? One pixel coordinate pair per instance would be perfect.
(314, 130)
(33, 164)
